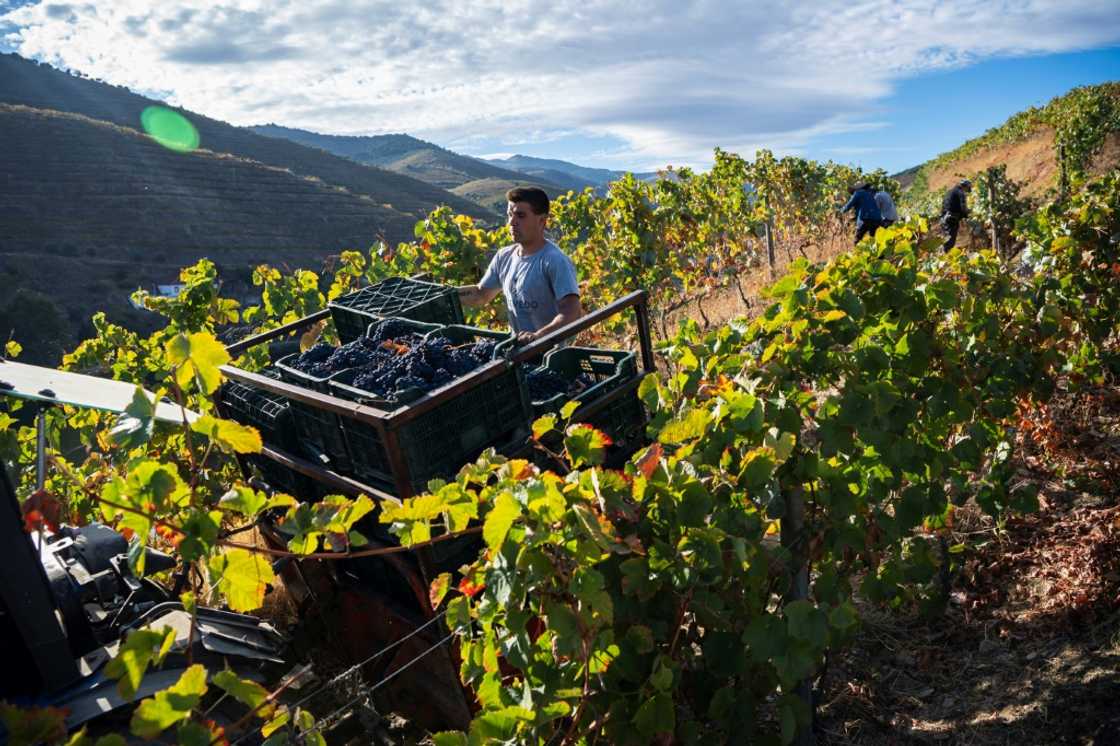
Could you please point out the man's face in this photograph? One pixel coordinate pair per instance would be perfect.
(525, 226)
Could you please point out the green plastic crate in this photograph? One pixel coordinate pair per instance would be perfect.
(624, 420)
(609, 369)
(395, 296)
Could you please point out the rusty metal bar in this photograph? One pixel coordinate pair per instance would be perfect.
(334, 479)
(401, 477)
(538, 347)
(237, 348)
(641, 314)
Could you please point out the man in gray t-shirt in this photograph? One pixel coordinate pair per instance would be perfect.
(538, 281)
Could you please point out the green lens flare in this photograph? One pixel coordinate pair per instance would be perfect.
(169, 128)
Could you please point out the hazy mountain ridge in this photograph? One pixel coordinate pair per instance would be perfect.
(576, 174)
(472, 178)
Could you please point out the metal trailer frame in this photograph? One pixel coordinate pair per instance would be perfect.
(387, 422)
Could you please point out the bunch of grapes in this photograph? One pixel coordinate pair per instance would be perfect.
(545, 383)
(322, 359)
(388, 329)
(416, 365)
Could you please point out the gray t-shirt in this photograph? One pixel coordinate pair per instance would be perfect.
(886, 206)
(532, 284)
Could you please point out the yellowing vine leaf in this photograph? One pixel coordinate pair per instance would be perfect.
(230, 436)
(197, 356)
(241, 576)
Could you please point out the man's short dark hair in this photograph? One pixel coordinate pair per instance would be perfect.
(534, 197)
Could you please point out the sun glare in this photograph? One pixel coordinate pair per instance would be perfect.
(169, 128)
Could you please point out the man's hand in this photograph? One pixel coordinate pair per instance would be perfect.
(570, 310)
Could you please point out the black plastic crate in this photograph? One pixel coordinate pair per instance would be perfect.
(271, 414)
(607, 369)
(395, 296)
(437, 443)
(318, 430)
(624, 420)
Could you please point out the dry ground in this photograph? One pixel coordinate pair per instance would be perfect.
(1028, 651)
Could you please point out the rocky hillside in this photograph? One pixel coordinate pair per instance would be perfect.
(1083, 124)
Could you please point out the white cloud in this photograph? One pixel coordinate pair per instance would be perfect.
(669, 80)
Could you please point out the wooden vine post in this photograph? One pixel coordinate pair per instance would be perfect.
(795, 542)
(1063, 179)
(992, 211)
(770, 242)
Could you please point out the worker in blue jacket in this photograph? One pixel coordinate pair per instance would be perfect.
(868, 217)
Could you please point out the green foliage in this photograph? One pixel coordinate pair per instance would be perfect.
(881, 388)
(648, 603)
(36, 324)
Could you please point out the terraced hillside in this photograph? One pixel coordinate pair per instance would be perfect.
(1084, 124)
(477, 180)
(30, 84)
(74, 183)
(93, 210)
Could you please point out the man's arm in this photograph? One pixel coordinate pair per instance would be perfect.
(476, 295)
(849, 204)
(569, 309)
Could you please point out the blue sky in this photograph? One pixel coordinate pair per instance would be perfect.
(886, 83)
(933, 113)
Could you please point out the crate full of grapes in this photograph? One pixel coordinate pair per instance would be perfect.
(582, 374)
(447, 397)
(319, 430)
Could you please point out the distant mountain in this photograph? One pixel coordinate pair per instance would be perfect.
(27, 83)
(568, 174)
(471, 178)
(91, 208)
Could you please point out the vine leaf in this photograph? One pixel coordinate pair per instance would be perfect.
(689, 426)
(506, 510)
(230, 436)
(648, 461)
(197, 356)
(33, 724)
(247, 692)
(242, 577)
(439, 588)
(585, 445)
(140, 649)
(134, 426)
(172, 705)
